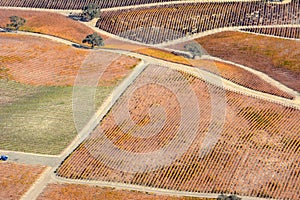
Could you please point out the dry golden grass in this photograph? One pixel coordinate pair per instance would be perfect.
(164, 55)
(40, 61)
(48, 23)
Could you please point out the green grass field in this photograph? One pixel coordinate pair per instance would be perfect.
(38, 119)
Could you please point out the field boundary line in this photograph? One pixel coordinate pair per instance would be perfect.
(91, 24)
(260, 74)
(28, 153)
(219, 30)
(104, 109)
(146, 5)
(31, 158)
(209, 76)
(38, 186)
(144, 189)
(230, 85)
(269, 35)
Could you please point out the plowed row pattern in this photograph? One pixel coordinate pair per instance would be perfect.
(73, 5)
(160, 24)
(240, 76)
(255, 153)
(281, 32)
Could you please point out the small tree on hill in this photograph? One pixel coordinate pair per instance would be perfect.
(90, 11)
(194, 49)
(94, 39)
(16, 23)
(230, 197)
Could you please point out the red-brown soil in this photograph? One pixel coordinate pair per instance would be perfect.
(168, 22)
(276, 57)
(256, 153)
(74, 5)
(288, 32)
(39, 61)
(240, 76)
(74, 192)
(16, 179)
(48, 23)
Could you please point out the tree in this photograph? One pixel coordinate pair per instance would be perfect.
(230, 197)
(16, 23)
(90, 11)
(94, 39)
(194, 49)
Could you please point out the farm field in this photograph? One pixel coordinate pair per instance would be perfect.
(281, 32)
(36, 87)
(256, 153)
(153, 113)
(72, 191)
(160, 24)
(227, 71)
(73, 5)
(276, 57)
(16, 179)
(48, 23)
(240, 76)
(39, 61)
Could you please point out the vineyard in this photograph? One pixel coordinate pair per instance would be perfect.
(287, 32)
(36, 91)
(71, 192)
(16, 179)
(40, 61)
(240, 76)
(230, 72)
(255, 153)
(48, 23)
(160, 24)
(215, 115)
(278, 58)
(74, 5)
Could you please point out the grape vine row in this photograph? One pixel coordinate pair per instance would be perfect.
(169, 22)
(257, 152)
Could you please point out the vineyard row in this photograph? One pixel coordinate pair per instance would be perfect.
(74, 5)
(288, 32)
(254, 152)
(169, 22)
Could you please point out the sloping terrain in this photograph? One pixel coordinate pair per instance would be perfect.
(281, 32)
(253, 152)
(48, 23)
(275, 57)
(72, 191)
(36, 91)
(16, 179)
(74, 5)
(164, 23)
